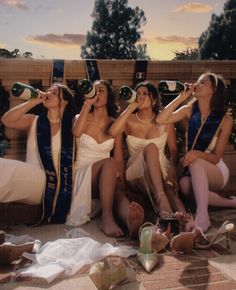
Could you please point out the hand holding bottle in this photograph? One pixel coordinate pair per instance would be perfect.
(189, 91)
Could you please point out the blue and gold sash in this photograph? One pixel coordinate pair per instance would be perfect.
(201, 133)
(58, 190)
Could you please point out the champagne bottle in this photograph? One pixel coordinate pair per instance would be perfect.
(173, 88)
(127, 94)
(87, 89)
(23, 91)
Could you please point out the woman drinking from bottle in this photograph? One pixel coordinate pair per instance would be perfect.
(98, 176)
(148, 168)
(46, 176)
(208, 129)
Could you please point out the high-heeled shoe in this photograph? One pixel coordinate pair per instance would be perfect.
(151, 242)
(209, 240)
(183, 242)
(107, 273)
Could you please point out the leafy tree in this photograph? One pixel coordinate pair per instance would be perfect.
(188, 54)
(219, 40)
(14, 53)
(115, 32)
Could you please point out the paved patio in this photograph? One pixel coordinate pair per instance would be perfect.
(201, 269)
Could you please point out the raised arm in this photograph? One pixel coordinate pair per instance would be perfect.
(82, 118)
(170, 114)
(16, 118)
(119, 125)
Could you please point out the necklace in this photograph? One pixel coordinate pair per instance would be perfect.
(145, 122)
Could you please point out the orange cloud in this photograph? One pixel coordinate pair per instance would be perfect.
(188, 41)
(194, 7)
(57, 39)
(19, 4)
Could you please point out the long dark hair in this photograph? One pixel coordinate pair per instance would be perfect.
(69, 97)
(218, 100)
(153, 90)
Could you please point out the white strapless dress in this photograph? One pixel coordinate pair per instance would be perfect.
(88, 152)
(136, 168)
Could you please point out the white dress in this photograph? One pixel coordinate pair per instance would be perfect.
(25, 181)
(88, 152)
(136, 168)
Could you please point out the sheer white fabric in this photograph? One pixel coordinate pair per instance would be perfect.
(88, 152)
(68, 256)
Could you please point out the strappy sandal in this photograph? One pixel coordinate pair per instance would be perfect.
(106, 274)
(151, 242)
(209, 240)
(168, 219)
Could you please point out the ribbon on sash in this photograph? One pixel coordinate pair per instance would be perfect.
(92, 70)
(140, 73)
(200, 135)
(58, 71)
(58, 190)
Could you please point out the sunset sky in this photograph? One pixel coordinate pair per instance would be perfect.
(57, 28)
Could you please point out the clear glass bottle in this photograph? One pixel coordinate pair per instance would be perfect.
(167, 88)
(127, 94)
(23, 91)
(87, 89)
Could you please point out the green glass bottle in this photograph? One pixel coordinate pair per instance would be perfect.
(23, 91)
(170, 88)
(87, 89)
(127, 94)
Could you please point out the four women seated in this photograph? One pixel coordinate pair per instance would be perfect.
(101, 182)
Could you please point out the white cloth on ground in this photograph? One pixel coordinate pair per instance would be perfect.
(68, 256)
(89, 151)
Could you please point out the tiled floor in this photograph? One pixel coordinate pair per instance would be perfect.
(201, 269)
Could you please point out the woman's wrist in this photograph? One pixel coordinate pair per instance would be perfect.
(86, 104)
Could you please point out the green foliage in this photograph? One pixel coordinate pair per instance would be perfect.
(14, 53)
(115, 32)
(219, 40)
(188, 54)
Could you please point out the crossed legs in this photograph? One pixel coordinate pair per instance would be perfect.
(154, 177)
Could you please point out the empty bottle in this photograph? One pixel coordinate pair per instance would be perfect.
(23, 91)
(87, 89)
(127, 94)
(172, 88)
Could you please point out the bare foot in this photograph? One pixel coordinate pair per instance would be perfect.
(186, 221)
(110, 228)
(135, 218)
(202, 222)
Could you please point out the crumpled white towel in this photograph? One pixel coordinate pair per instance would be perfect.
(68, 256)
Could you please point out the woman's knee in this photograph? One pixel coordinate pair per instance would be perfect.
(151, 151)
(185, 185)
